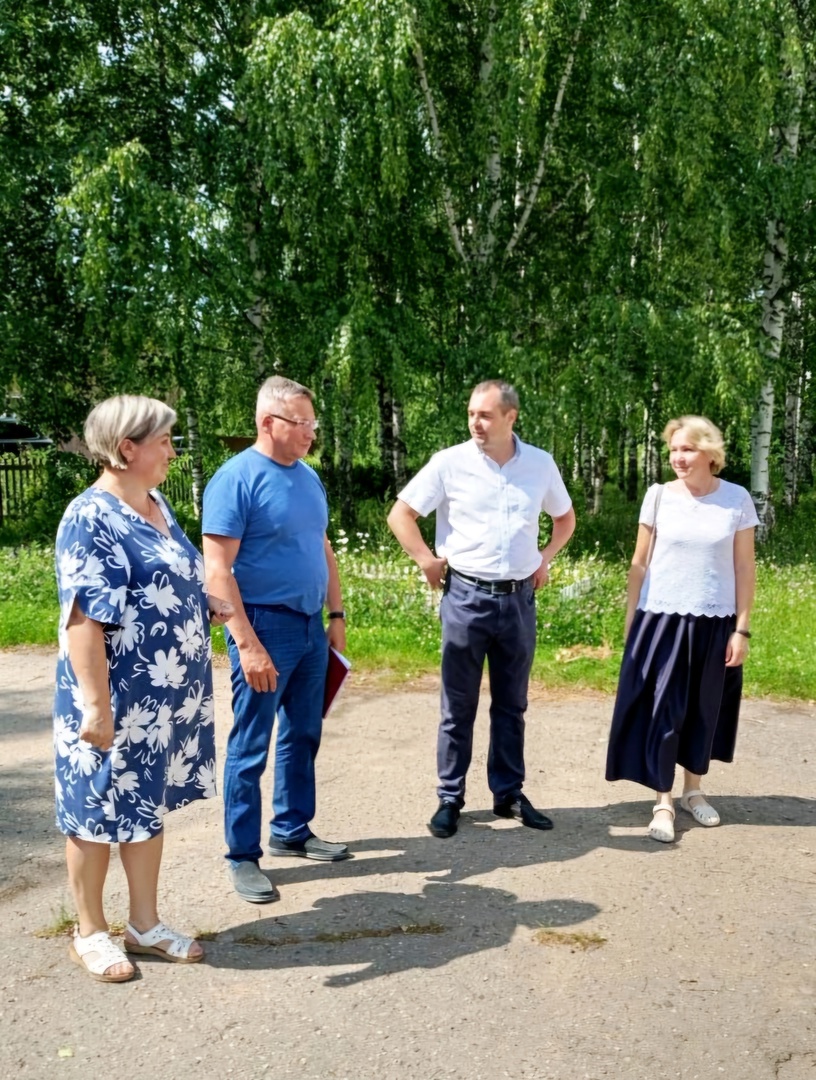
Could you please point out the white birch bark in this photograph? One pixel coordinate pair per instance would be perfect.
(774, 310)
(436, 145)
(529, 198)
(399, 451)
(599, 465)
(793, 412)
(761, 429)
(651, 457)
(196, 464)
(492, 180)
(255, 312)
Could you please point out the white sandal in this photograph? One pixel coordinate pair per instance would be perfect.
(98, 954)
(704, 813)
(659, 830)
(178, 951)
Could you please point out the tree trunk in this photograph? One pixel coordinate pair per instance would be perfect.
(793, 412)
(623, 445)
(196, 461)
(652, 467)
(806, 434)
(255, 313)
(586, 466)
(399, 450)
(761, 426)
(599, 466)
(327, 469)
(344, 443)
(386, 430)
(392, 446)
(774, 310)
(631, 467)
(491, 201)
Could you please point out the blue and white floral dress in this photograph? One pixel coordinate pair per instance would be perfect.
(147, 590)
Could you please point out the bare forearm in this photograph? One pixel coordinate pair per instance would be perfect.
(334, 592)
(406, 530)
(222, 583)
(86, 650)
(634, 584)
(562, 530)
(745, 589)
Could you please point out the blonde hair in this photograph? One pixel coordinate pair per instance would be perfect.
(127, 416)
(703, 435)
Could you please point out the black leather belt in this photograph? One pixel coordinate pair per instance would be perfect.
(496, 588)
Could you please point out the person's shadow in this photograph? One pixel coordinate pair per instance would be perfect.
(384, 932)
(484, 843)
(381, 933)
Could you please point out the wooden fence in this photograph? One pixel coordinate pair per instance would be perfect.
(23, 478)
(21, 475)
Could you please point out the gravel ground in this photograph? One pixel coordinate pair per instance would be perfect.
(421, 957)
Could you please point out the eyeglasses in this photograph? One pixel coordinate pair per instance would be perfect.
(312, 425)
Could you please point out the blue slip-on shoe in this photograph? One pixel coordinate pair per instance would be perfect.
(252, 884)
(310, 848)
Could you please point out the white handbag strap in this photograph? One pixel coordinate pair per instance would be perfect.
(654, 522)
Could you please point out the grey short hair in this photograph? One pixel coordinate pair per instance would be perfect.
(278, 389)
(509, 396)
(703, 435)
(127, 416)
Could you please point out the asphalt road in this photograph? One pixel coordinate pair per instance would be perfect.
(422, 958)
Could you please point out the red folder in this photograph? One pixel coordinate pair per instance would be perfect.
(336, 674)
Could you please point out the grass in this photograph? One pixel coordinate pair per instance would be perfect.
(61, 925)
(581, 942)
(64, 921)
(339, 937)
(394, 630)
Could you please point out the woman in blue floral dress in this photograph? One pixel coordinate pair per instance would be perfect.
(133, 714)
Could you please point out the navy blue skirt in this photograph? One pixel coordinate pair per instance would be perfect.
(677, 702)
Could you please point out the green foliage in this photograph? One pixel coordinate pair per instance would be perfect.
(783, 645)
(793, 541)
(29, 610)
(390, 202)
(394, 629)
(27, 575)
(53, 480)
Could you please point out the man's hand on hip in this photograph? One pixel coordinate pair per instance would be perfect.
(258, 669)
(434, 570)
(542, 575)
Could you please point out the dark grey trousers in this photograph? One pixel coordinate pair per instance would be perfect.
(502, 629)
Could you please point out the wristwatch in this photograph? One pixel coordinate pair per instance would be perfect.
(337, 614)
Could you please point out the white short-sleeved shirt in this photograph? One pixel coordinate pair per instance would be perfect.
(692, 567)
(486, 514)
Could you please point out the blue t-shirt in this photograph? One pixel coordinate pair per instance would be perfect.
(280, 514)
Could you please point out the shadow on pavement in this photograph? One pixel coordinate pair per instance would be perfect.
(482, 844)
(386, 932)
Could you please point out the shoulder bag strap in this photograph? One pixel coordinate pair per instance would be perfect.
(654, 522)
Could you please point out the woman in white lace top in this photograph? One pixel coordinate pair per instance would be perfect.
(690, 592)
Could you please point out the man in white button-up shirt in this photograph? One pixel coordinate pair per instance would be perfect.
(488, 495)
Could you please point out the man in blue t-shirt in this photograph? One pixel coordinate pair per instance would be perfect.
(267, 553)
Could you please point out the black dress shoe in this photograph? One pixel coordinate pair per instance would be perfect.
(520, 807)
(444, 822)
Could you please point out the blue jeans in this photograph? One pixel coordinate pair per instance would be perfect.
(502, 629)
(299, 649)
